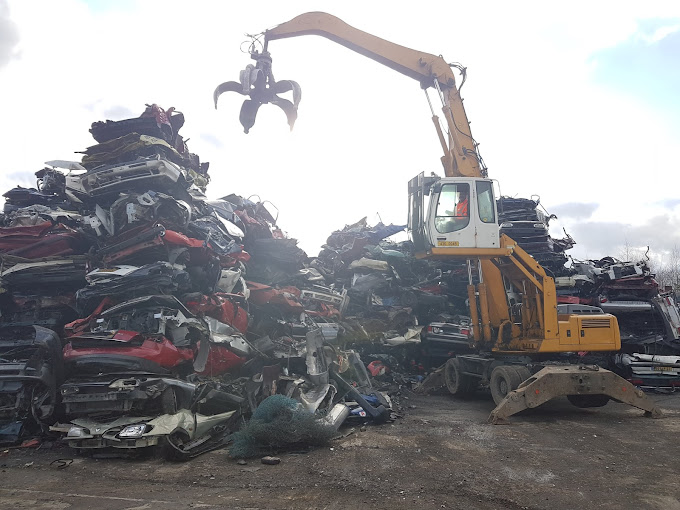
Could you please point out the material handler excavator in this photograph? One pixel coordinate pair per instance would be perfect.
(520, 347)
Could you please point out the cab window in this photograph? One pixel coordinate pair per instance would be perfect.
(453, 212)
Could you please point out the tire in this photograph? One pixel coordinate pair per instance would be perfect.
(172, 445)
(523, 373)
(409, 298)
(169, 401)
(585, 401)
(457, 383)
(43, 404)
(504, 379)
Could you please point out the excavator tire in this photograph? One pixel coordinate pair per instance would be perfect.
(457, 383)
(585, 401)
(523, 373)
(504, 379)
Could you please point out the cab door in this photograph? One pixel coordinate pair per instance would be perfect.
(486, 217)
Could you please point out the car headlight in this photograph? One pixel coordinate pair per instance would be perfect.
(77, 432)
(133, 431)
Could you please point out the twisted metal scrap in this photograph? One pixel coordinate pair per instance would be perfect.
(257, 82)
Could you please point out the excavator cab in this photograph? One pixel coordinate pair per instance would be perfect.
(460, 213)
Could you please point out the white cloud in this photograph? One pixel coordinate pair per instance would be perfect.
(660, 33)
(9, 35)
(574, 210)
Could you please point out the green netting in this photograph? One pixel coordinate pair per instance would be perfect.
(279, 423)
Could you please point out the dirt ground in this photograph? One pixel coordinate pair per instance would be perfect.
(441, 454)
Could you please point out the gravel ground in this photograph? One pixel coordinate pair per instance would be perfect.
(441, 454)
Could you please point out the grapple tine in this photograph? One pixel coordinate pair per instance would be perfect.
(288, 108)
(227, 86)
(248, 113)
(286, 86)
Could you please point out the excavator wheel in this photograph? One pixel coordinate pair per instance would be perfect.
(585, 401)
(504, 379)
(523, 373)
(457, 383)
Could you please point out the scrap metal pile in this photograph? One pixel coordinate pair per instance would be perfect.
(523, 221)
(648, 316)
(136, 312)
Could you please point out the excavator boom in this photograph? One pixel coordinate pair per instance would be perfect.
(418, 65)
(460, 158)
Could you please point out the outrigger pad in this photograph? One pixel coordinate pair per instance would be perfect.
(576, 381)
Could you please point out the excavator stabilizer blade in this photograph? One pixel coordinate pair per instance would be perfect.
(584, 385)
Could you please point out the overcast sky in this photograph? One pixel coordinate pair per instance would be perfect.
(575, 102)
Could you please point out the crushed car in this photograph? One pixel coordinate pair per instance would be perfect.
(31, 370)
(181, 435)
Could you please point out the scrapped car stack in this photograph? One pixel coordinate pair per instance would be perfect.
(136, 312)
(648, 316)
(525, 222)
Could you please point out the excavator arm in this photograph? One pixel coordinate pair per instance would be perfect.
(461, 158)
